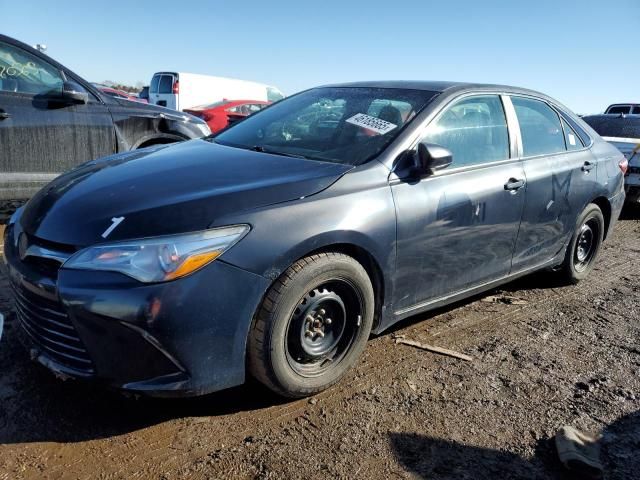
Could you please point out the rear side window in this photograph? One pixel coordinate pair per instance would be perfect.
(636, 110)
(166, 84)
(540, 127)
(618, 109)
(474, 129)
(22, 72)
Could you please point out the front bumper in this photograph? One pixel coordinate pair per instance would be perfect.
(179, 338)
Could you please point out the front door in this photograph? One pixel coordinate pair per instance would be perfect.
(457, 228)
(39, 135)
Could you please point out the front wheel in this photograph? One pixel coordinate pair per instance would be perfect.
(584, 245)
(312, 326)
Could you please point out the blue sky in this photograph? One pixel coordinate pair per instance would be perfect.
(584, 53)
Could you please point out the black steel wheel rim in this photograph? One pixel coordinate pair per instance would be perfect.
(586, 244)
(323, 327)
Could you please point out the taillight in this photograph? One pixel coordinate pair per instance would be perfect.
(176, 87)
(624, 166)
(205, 116)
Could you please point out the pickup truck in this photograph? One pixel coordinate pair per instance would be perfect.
(623, 132)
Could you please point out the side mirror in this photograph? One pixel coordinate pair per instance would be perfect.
(74, 93)
(432, 157)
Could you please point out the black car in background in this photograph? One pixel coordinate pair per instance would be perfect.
(277, 246)
(52, 120)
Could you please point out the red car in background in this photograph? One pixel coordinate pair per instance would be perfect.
(221, 114)
(119, 93)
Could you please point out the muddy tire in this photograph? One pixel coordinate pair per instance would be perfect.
(312, 326)
(584, 246)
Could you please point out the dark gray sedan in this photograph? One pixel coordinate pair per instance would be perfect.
(276, 247)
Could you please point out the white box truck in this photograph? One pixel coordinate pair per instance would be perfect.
(181, 90)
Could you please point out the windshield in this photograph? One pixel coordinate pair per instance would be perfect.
(344, 124)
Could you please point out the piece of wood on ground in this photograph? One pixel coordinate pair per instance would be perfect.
(508, 299)
(432, 348)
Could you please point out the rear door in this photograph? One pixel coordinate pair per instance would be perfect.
(457, 228)
(561, 177)
(161, 90)
(39, 135)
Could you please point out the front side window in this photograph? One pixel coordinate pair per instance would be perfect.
(540, 127)
(636, 110)
(22, 72)
(474, 129)
(339, 124)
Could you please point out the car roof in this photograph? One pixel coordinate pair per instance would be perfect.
(437, 86)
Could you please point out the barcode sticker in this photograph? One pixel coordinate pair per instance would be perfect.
(572, 139)
(371, 123)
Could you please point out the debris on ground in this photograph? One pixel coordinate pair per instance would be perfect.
(432, 348)
(506, 299)
(579, 452)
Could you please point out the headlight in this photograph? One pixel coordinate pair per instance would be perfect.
(204, 128)
(159, 259)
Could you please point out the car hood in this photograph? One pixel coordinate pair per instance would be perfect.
(168, 189)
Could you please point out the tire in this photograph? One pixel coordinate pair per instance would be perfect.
(294, 347)
(584, 246)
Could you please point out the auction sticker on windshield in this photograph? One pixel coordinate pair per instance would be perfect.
(371, 123)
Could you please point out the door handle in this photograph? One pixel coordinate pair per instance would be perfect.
(588, 166)
(4, 115)
(514, 184)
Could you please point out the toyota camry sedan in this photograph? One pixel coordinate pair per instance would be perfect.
(275, 248)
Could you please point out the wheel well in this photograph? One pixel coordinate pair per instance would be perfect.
(605, 207)
(156, 141)
(370, 265)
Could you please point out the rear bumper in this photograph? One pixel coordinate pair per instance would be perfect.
(180, 338)
(616, 202)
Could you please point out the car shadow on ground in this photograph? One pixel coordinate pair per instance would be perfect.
(630, 212)
(434, 458)
(37, 407)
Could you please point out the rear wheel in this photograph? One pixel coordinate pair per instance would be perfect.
(312, 326)
(584, 246)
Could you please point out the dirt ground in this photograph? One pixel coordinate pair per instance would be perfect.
(566, 355)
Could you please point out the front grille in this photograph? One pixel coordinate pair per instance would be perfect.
(50, 328)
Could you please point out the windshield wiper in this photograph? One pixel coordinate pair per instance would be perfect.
(260, 148)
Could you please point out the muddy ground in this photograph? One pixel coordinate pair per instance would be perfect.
(567, 355)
